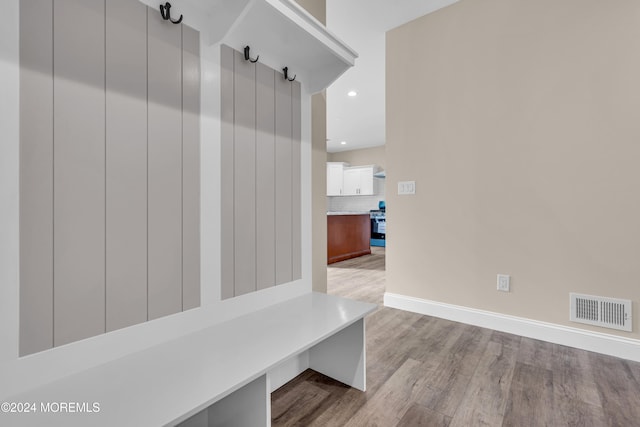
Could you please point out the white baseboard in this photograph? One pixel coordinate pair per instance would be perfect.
(611, 345)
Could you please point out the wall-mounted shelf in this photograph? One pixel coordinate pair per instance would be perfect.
(283, 34)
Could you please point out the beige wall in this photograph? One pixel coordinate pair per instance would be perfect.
(518, 120)
(319, 191)
(318, 8)
(364, 156)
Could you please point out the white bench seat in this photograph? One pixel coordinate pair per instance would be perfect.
(228, 363)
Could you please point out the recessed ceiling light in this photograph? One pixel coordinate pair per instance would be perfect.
(344, 143)
(352, 93)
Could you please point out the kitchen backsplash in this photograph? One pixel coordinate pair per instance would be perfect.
(357, 203)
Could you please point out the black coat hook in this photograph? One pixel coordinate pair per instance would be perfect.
(165, 11)
(286, 74)
(247, 57)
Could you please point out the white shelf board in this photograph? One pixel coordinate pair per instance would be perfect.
(283, 34)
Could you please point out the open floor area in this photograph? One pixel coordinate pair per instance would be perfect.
(425, 371)
(319, 213)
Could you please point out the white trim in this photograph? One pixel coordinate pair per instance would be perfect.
(598, 342)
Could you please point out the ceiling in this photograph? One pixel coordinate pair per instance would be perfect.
(360, 120)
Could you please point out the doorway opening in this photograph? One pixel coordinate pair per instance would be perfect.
(362, 278)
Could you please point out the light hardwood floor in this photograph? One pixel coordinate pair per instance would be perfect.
(425, 371)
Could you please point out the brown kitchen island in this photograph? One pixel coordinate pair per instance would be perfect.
(348, 235)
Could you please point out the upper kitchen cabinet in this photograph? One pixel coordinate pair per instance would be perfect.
(358, 180)
(283, 34)
(335, 178)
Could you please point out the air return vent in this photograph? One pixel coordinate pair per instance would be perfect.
(601, 311)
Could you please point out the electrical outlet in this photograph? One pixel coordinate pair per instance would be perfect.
(503, 282)
(406, 187)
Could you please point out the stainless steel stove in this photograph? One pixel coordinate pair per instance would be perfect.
(378, 226)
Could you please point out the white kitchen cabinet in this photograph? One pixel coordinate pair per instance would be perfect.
(335, 179)
(366, 181)
(358, 180)
(351, 184)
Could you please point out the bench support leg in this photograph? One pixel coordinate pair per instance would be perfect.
(250, 405)
(247, 406)
(342, 356)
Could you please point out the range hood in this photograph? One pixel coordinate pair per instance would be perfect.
(381, 174)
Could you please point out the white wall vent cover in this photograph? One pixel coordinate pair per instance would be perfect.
(610, 313)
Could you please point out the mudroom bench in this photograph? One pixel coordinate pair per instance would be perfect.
(219, 376)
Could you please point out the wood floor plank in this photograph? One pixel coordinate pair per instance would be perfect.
(573, 377)
(435, 344)
(388, 321)
(326, 383)
(393, 399)
(635, 370)
(336, 393)
(575, 413)
(383, 360)
(289, 408)
(341, 411)
(464, 356)
(485, 400)
(422, 370)
(536, 353)
(287, 387)
(530, 397)
(418, 415)
(445, 401)
(507, 340)
(360, 278)
(619, 391)
(458, 362)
